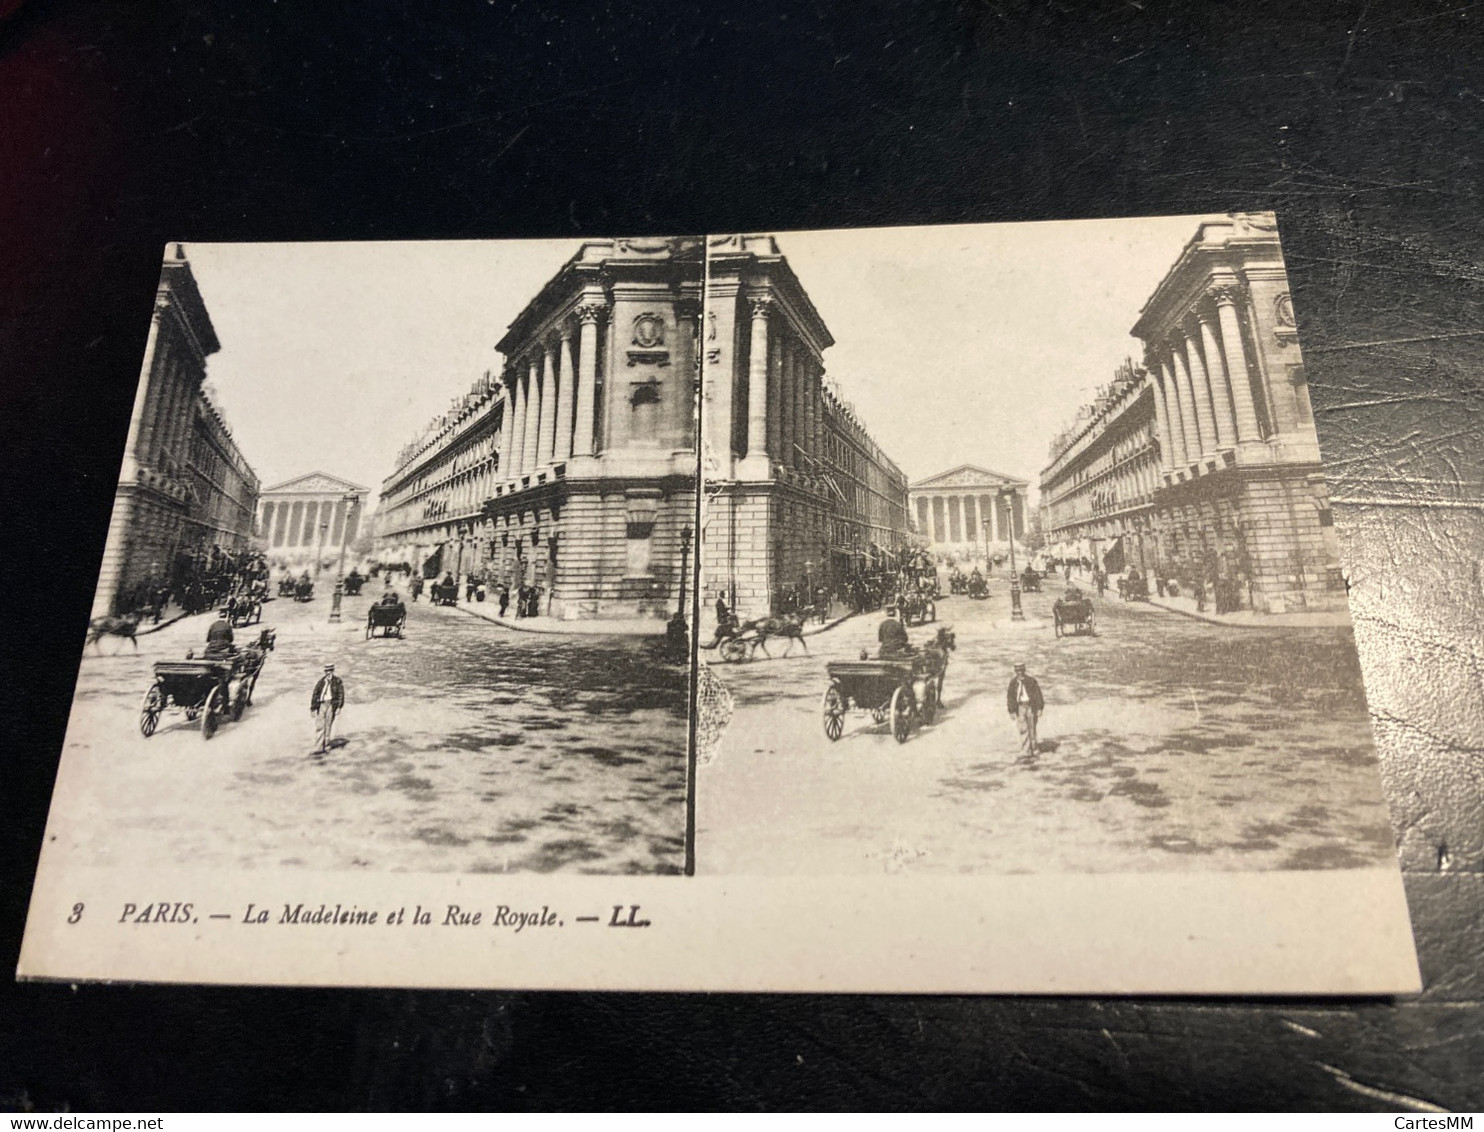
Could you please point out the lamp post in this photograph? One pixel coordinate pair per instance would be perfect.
(984, 527)
(350, 502)
(684, 566)
(1016, 612)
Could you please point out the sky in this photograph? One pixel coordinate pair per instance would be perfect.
(967, 344)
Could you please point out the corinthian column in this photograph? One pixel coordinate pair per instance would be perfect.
(1226, 425)
(1186, 396)
(587, 377)
(757, 389)
(531, 432)
(514, 426)
(1236, 363)
(546, 436)
(1161, 416)
(1200, 392)
(565, 401)
(777, 362)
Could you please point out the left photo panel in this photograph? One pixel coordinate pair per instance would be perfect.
(397, 578)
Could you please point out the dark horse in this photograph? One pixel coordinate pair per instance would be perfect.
(125, 626)
(789, 625)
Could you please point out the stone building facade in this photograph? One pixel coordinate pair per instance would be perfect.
(797, 493)
(304, 522)
(1219, 420)
(575, 471)
(185, 486)
(967, 509)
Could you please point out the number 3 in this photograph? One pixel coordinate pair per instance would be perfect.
(76, 914)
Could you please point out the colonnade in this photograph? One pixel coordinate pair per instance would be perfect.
(550, 403)
(1202, 384)
(785, 411)
(952, 517)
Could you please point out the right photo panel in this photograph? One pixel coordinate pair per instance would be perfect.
(1017, 557)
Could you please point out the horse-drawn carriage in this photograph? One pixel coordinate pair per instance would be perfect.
(304, 590)
(286, 587)
(353, 584)
(1072, 616)
(1133, 587)
(244, 609)
(740, 640)
(444, 593)
(958, 582)
(978, 588)
(1030, 581)
(905, 691)
(388, 617)
(916, 607)
(212, 688)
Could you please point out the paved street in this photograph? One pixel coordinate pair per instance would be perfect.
(1167, 743)
(463, 747)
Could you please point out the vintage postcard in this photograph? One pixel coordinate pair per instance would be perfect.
(919, 609)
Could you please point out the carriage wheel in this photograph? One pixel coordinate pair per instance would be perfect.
(733, 651)
(834, 712)
(932, 611)
(149, 710)
(211, 713)
(903, 713)
(929, 709)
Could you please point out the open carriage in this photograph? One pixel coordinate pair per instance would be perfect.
(303, 590)
(903, 691)
(1072, 616)
(208, 688)
(389, 620)
(1030, 581)
(1133, 588)
(444, 593)
(978, 587)
(353, 584)
(244, 609)
(916, 607)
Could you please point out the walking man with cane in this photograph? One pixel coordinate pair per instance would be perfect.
(324, 704)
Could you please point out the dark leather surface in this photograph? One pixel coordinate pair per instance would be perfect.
(1360, 123)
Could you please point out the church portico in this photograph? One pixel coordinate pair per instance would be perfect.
(961, 510)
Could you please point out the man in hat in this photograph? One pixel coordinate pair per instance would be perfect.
(325, 703)
(1025, 703)
(219, 636)
(892, 636)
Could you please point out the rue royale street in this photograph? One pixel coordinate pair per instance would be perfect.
(463, 747)
(1167, 743)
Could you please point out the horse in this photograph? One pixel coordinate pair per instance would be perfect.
(125, 626)
(789, 625)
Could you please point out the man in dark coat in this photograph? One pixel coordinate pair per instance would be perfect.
(892, 636)
(1025, 703)
(219, 636)
(325, 703)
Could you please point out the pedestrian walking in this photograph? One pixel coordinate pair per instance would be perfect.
(1025, 704)
(325, 703)
(504, 599)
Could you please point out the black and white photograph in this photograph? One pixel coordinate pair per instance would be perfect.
(1018, 558)
(396, 578)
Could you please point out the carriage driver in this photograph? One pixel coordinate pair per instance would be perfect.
(892, 636)
(219, 636)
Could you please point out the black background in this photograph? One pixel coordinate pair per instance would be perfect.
(122, 128)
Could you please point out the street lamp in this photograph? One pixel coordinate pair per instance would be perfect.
(1016, 612)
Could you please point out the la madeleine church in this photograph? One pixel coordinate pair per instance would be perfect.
(968, 507)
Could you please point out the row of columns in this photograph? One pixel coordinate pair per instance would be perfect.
(550, 406)
(286, 524)
(785, 416)
(1203, 388)
(947, 523)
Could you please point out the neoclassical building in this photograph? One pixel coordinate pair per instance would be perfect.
(797, 492)
(576, 469)
(185, 487)
(966, 509)
(1208, 454)
(306, 520)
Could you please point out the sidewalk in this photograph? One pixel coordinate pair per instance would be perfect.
(1248, 618)
(617, 627)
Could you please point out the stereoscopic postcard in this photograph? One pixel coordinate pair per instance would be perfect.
(949, 609)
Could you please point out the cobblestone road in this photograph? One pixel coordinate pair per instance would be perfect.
(462, 747)
(1168, 743)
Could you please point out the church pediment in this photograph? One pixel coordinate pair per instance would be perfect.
(968, 475)
(315, 483)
